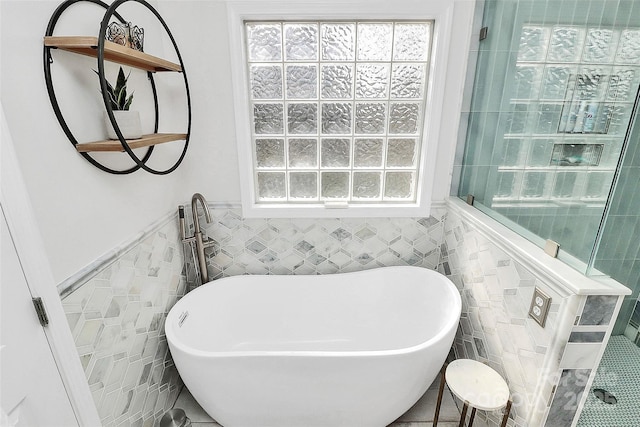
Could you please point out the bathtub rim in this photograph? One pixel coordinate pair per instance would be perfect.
(448, 328)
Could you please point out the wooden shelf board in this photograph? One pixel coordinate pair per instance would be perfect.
(145, 141)
(87, 45)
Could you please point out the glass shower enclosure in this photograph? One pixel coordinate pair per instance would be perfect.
(553, 141)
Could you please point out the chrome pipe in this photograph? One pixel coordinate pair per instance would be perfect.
(197, 197)
(183, 230)
(202, 263)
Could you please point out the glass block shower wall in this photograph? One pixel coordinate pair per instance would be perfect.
(554, 90)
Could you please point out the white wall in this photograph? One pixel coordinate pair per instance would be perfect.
(84, 212)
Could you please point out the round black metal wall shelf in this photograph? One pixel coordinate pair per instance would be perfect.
(103, 50)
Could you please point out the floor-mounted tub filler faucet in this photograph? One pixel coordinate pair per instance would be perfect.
(197, 233)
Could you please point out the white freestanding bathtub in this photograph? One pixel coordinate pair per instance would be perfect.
(352, 349)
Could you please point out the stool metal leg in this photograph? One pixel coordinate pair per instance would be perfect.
(473, 414)
(464, 414)
(440, 391)
(505, 418)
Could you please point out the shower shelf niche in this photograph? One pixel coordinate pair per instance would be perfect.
(103, 50)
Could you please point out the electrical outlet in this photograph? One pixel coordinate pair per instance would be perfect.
(539, 306)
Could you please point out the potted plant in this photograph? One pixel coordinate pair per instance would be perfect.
(128, 120)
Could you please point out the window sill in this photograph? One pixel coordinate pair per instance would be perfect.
(317, 210)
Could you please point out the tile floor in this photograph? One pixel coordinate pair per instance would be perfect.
(420, 415)
(619, 374)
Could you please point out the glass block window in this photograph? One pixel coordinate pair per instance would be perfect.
(337, 109)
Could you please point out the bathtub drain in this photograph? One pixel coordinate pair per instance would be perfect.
(605, 396)
(175, 418)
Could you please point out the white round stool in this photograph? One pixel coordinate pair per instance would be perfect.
(477, 385)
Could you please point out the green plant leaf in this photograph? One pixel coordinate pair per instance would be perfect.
(121, 82)
(118, 95)
(113, 101)
(122, 97)
(128, 103)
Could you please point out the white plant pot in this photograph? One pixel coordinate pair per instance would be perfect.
(128, 122)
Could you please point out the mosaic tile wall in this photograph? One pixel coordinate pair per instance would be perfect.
(116, 310)
(117, 320)
(117, 315)
(317, 246)
(495, 328)
(548, 369)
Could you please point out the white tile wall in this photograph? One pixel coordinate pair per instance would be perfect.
(117, 320)
(317, 246)
(117, 314)
(495, 327)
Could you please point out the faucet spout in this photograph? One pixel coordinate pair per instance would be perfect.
(197, 197)
(200, 245)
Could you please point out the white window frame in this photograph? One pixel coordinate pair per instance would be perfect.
(442, 103)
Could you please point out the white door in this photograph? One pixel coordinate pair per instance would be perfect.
(32, 393)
